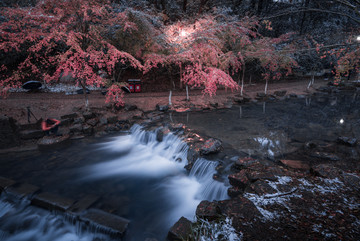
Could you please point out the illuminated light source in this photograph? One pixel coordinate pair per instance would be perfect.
(183, 33)
(358, 38)
(341, 121)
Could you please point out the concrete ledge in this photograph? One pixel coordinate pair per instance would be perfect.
(108, 223)
(83, 204)
(52, 202)
(5, 182)
(22, 190)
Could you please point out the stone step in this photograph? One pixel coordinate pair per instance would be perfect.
(22, 190)
(110, 224)
(83, 204)
(5, 182)
(52, 202)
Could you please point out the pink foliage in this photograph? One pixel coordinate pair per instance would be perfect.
(115, 94)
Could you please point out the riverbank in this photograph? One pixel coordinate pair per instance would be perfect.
(25, 110)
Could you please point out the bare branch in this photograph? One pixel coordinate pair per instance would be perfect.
(312, 10)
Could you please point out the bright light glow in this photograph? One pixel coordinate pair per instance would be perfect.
(358, 38)
(341, 121)
(183, 33)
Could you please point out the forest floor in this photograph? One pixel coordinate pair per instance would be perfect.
(55, 105)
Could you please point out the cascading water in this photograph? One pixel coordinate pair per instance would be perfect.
(21, 222)
(139, 156)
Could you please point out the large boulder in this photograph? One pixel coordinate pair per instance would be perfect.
(52, 141)
(180, 231)
(210, 146)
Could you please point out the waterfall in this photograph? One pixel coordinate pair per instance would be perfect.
(21, 222)
(140, 155)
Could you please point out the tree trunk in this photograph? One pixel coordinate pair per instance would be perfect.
(170, 103)
(242, 81)
(303, 17)
(85, 95)
(202, 4)
(184, 6)
(187, 93)
(266, 86)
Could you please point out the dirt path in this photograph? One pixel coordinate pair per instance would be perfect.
(54, 105)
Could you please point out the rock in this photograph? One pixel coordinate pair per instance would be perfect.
(244, 163)
(261, 94)
(325, 156)
(241, 99)
(326, 171)
(112, 119)
(66, 122)
(235, 191)
(111, 128)
(63, 131)
(128, 107)
(161, 132)
(69, 116)
(210, 146)
(31, 134)
(22, 190)
(192, 156)
(79, 120)
(103, 121)
(239, 180)
(52, 202)
(347, 141)
(280, 93)
(8, 132)
(214, 105)
(295, 164)
(111, 224)
(88, 130)
(181, 230)
(255, 175)
(176, 128)
(260, 188)
(92, 122)
(76, 128)
(52, 141)
(292, 95)
(162, 107)
(208, 210)
(5, 182)
(88, 115)
(241, 208)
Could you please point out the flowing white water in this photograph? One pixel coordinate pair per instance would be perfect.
(21, 222)
(141, 155)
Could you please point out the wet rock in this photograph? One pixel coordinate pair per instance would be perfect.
(112, 119)
(52, 202)
(260, 95)
(76, 128)
(347, 141)
(52, 141)
(22, 190)
(210, 146)
(260, 188)
(181, 230)
(114, 225)
(31, 134)
(88, 130)
(128, 107)
(214, 105)
(326, 171)
(241, 99)
(292, 95)
(239, 180)
(88, 115)
(254, 175)
(84, 203)
(8, 132)
(69, 116)
(92, 122)
(296, 164)
(325, 156)
(5, 182)
(103, 121)
(63, 131)
(280, 93)
(192, 156)
(244, 163)
(208, 210)
(111, 128)
(176, 128)
(163, 108)
(66, 122)
(235, 191)
(240, 208)
(79, 120)
(161, 132)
